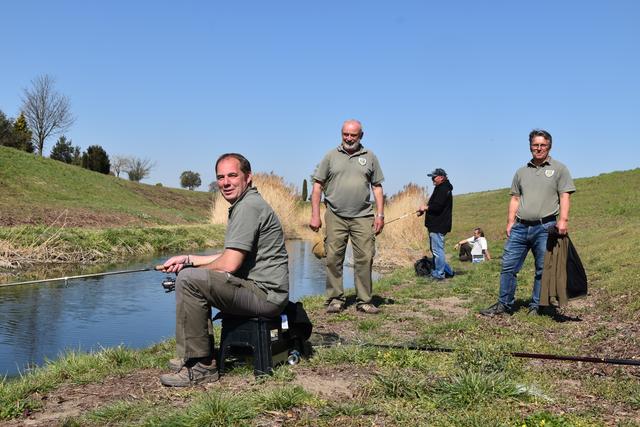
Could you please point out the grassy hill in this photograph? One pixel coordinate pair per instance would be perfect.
(355, 384)
(38, 190)
(604, 226)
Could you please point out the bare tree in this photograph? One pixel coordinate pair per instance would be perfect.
(47, 111)
(138, 169)
(119, 164)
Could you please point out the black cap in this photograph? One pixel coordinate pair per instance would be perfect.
(437, 172)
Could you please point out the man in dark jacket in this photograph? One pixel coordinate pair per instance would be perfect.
(438, 221)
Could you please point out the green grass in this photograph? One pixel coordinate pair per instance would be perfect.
(479, 384)
(83, 217)
(37, 190)
(16, 395)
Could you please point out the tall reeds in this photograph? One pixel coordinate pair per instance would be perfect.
(282, 197)
(403, 241)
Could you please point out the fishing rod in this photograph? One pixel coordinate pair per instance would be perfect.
(400, 217)
(588, 359)
(83, 276)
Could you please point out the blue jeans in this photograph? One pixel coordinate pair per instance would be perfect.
(522, 239)
(436, 241)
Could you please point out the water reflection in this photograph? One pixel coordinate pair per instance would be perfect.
(38, 322)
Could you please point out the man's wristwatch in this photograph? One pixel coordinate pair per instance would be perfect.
(379, 215)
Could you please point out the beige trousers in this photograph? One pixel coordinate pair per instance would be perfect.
(339, 231)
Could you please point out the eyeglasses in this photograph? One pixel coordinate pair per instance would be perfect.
(539, 146)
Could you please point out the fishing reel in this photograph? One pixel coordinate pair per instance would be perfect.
(169, 284)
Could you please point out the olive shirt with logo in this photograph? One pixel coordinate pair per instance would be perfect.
(253, 227)
(346, 180)
(539, 188)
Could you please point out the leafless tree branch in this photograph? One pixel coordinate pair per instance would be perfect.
(47, 112)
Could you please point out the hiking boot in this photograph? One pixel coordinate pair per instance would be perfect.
(191, 374)
(368, 308)
(335, 307)
(175, 364)
(533, 311)
(496, 309)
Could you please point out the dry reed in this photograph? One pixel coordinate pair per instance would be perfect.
(50, 248)
(400, 243)
(403, 241)
(282, 197)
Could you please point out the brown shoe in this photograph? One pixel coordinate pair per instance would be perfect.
(175, 364)
(187, 376)
(335, 306)
(368, 309)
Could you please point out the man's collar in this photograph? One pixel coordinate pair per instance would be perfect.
(248, 190)
(546, 162)
(360, 150)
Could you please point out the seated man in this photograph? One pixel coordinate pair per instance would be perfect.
(249, 278)
(474, 248)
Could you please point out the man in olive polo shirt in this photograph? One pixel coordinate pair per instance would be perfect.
(347, 175)
(249, 278)
(540, 200)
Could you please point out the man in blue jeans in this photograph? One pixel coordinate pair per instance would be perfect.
(540, 200)
(439, 209)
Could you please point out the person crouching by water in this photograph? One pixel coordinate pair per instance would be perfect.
(474, 248)
(249, 278)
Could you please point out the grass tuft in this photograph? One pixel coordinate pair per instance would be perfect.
(475, 388)
(483, 357)
(397, 384)
(121, 412)
(282, 398)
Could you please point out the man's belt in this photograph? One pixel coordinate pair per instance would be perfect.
(530, 223)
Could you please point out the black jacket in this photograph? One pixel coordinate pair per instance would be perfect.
(438, 218)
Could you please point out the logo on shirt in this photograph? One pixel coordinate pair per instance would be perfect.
(549, 173)
(362, 161)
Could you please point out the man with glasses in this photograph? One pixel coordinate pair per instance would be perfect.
(540, 200)
(347, 175)
(439, 210)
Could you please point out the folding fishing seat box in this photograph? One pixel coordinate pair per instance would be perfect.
(262, 336)
(270, 340)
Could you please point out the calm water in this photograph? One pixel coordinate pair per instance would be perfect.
(38, 322)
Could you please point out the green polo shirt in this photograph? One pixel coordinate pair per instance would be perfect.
(539, 188)
(347, 179)
(254, 228)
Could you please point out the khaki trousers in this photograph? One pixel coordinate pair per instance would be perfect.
(339, 231)
(197, 290)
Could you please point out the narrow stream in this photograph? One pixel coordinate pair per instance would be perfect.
(39, 322)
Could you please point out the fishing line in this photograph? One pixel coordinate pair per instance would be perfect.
(83, 276)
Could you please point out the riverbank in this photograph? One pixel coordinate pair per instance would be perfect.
(354, 384)
(25, 248)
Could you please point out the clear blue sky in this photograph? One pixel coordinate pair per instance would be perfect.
(456, 85)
